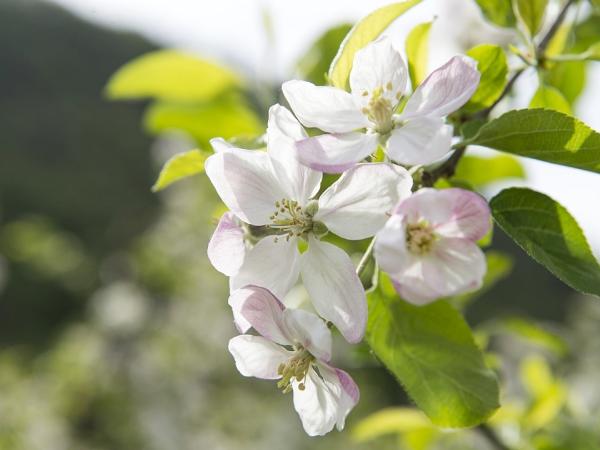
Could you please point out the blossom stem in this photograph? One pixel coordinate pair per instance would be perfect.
(446, 170)
(364, 261)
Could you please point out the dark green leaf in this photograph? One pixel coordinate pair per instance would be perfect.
(431, 351)
(550, 235)
(543, 134)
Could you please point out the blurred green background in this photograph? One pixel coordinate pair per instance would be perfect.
(114, 326)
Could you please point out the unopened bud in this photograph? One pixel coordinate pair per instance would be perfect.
(319, 229)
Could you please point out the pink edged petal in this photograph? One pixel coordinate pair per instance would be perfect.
(451, 212)
(335, 153)
(378, 66)
(226, 248)
(415, 290)
(264, 312)
(283, 130)
(335, 289)
(455, 266)
(330, 109)
(359, 203)
(269, 264)
(390, 249)
(470, 216)
(257, 357)
(236, 300)
(310, 331)
(445, 90)
(245, 181)
(421, 140)
(325, 401)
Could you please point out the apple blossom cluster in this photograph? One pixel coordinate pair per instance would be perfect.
(279, 220)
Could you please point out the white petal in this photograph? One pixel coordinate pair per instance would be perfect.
(325, 402)
(335, 153)
(455, 266)
(283, 130)
(258, 357)
(421, 140)
(310, 331)
(220, 145)
(269, 264)
(445, 90)
(414, 288)
(245, 181)
(330, 109)
(451, 212)
(358, 204)
(335, 289)
(236, 300)
(264, 312)
(390, 249)
(378, 66)
(226, 248)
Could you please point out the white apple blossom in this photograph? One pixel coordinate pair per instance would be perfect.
(273, 191)
(294, 347)
(428, 246)
(357, 122)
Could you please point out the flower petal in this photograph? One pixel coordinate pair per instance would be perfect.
(283, 130)
(334, 153)
(325, 401)
(269, 264)
(226, 248)
(358, 204)
(335, 289)
(310, 331)
(451, 212)
(390, 249)
(421, 140)
(445, 90)
(378, 66)
(245, 181)
(330, 109)
(257, 357)
(220, 145)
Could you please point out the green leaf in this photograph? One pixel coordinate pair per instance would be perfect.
(390, 420)
(499, 12)
(431, 351)
(551, 98)
(479, 171)
(225, 118)
(171, 75)
(531, 13)
(364, 32)
(314, 63)
(543, 134)
(417, 52)
(568, 77)
(180, 166)
(550, 235)
(491, 63)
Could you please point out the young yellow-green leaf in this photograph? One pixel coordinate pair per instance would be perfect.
(171, 75)
(550, 235)
(559, 41)
(223, 118)
(568, 77)
(499, 12)
(531, 13)
(543, 134)
(417, 53)
(535, 334)
(593, 52)
(491, 63)
(180, 166)
(364, 32)
(390, 420)
(479, 171)
(551, 98)
(431, 351)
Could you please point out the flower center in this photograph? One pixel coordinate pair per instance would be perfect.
(296, 367)
(419, 238)
(291, 220)
(380, 110)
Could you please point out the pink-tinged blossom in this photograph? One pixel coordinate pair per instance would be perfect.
(428, 246)
(294, 347)
(272, 191)
(416, 135)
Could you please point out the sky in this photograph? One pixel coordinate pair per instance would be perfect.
(233, 31)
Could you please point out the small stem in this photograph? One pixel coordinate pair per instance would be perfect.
(446, 170)
(492, 438)
(364, 261)
(554, 28)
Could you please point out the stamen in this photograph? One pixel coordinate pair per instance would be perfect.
(380, 110)
(419, 238)
(296, 368)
